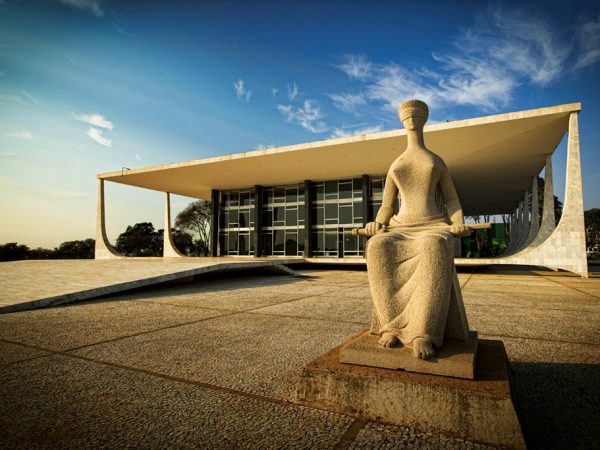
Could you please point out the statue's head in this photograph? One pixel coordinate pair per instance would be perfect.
(413, 114)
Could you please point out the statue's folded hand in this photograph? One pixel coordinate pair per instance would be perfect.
(373, 228)
(460, 230)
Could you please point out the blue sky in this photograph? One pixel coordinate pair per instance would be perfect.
(91, 86)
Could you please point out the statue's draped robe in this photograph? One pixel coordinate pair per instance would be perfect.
(411, 264)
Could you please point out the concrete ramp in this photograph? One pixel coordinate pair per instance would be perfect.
(34, 284)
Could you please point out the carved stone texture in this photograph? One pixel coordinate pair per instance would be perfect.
(410, 256)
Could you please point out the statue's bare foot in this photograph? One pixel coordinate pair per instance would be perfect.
(388, 340)
(422, 348)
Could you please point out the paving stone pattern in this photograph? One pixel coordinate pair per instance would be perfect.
(213, 363)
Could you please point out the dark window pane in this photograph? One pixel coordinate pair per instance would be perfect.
(267, 244)
(346, 214)
(300, 240)
(223, 198)
(291, 217)
(244, 198)
(243, 244)
(244, 218)
(268, 196)
(346, 190)
(222, 244)
(301, 193)
(331, 187)
(376, 187)
(278, 238)
(291, 194)
(318, 241)
(357, 186)
(350, 242)
(232, 242)
(358, 212)
(317, 192)
(252, 215)
(267, 217)
(291, 244)
(252, 241)
(300, 214)
(331, 211)
(223, 219)
(233, 198)
(279, 194)
(233, 217)
(279, 215)
(331, 242)
(318, 215)
(375, 209)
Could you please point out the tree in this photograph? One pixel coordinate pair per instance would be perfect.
(140, 240)
(592, 233)
(195, 219)
(13, 252)
(183, 241)
(75, 250)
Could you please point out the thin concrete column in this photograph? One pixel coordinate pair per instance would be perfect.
(308, 217)
(365, 201)
(169, 248)
(258, 206)
(103, 248)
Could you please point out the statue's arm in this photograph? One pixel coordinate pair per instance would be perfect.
(453, 206)
(390, 196)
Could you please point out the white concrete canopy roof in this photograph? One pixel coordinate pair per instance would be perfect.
(491, 159)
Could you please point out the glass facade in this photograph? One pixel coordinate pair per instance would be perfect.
(337, 206)
(336, 209)
(236, 222)
(283, 220)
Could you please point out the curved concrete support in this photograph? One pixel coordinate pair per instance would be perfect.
(524, 223)
(563, 246)
(534, 223)
(169, 248)
(103, 248)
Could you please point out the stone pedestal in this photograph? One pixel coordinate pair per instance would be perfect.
(453, 359)
(481, 410)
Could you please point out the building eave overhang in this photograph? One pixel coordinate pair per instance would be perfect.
(492, 159)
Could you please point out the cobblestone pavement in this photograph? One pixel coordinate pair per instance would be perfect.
(213, 363)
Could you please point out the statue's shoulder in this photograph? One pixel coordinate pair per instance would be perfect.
(438, 161)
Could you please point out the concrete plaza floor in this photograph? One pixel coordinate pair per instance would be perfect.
(213, 363)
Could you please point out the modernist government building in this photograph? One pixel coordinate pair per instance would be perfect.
(302, 201)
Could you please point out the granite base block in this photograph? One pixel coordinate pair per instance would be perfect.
(453, 359)
(481, 410)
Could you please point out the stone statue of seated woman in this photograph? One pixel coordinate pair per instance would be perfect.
(410, 256)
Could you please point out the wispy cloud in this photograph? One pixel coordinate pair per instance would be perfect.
(31, 98)
(292, 91)
(138, 157)
(347, 102)
(24, 99)
(503, 50)
(308, 116)
(241, 91)
(96, 135)
(356, 66)
(93, 7)
(264, 146)
(353, 131)
(22, 135)
(588, 41)
(274, 92)
(94, 119)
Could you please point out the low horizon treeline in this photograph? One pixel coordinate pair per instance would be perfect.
(79, 249)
